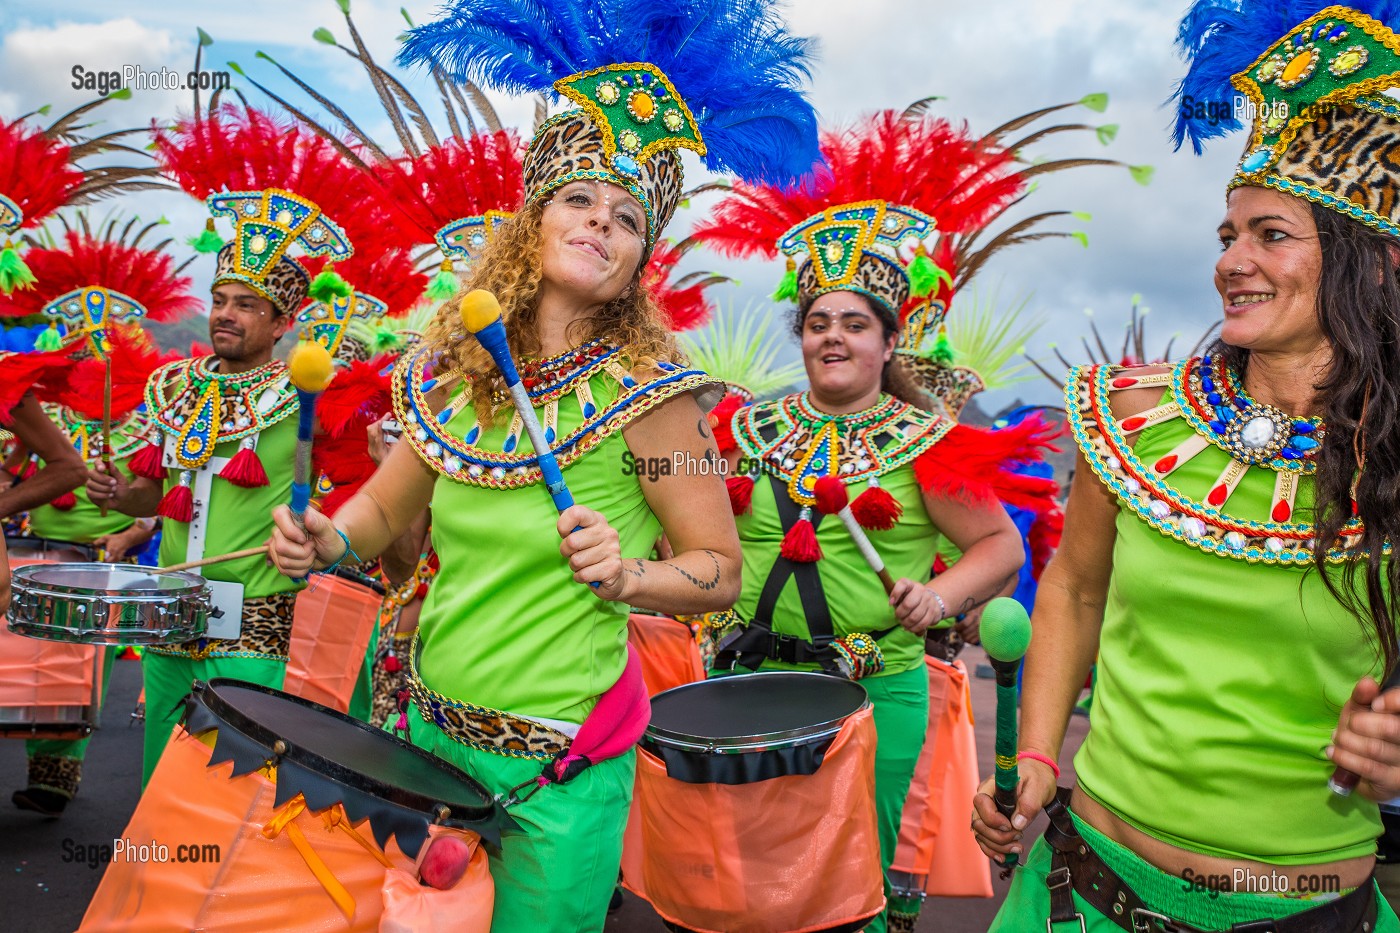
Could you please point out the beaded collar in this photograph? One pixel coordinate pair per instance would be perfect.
(204, 408)
(459, 456)
(791, 439)
(128, 434)
(1146, 488)
(1214, 401)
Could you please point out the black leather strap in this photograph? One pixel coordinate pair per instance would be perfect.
(1075, 868)
(806, 577)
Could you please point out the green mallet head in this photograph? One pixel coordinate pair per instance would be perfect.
(1006, 630)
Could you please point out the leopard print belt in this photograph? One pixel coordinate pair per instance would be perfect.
(481, 727)
(266, 633)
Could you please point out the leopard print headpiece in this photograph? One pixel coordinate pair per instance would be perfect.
(852, 248)
(285, 284)
(1323, 129)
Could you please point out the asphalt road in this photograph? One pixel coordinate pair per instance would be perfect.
(45, 883)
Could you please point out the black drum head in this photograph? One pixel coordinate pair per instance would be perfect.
(329, 758)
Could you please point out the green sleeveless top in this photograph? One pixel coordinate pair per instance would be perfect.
(504, 624)
(1223, 660)
(205, 418)
(84, 523)
(791, 441)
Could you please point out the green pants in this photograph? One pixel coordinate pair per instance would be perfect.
(901, 722)
(57, 764)
(1027, 905)
(559, 874)
(168, 679)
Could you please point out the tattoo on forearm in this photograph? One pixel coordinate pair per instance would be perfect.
(702, 584)
(704, 425)
(972, 602)
(637, 570)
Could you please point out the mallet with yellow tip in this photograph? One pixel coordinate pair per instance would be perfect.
(481, 313)
(310, 369)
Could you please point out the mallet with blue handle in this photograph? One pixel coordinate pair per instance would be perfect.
(481, 315)
(1006, 634)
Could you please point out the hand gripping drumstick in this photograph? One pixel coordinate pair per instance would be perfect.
(1006, 633)
(481, 314)
(310, 369)
(1343, 782)
(832, 499)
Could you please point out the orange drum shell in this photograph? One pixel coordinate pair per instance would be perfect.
(719, 858)
(333, 621)
(259, 884)
(667, 652)
(47, 688)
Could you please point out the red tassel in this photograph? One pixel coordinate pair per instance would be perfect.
(245, 469)
(392, 664)
(31, 466)
(147, 463)
(740, 493)
(65, 502)
(721, 420)
(178, 504)
(876, 509)
(800, 542)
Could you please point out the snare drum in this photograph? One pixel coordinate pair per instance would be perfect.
(108, 604)
(278, 810)
(754, 806)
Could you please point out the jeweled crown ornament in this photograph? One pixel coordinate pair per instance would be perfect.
(651, 78)
(1322, 126)
(267, 223)
(854, 247)
(91, 311)
(467, 237)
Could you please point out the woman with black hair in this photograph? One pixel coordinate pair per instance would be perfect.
(1233, 570)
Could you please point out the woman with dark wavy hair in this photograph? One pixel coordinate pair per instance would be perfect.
(1227, 546)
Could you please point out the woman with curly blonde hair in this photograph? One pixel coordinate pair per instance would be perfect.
(512, 655)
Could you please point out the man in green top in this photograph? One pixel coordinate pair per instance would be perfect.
(217, 477)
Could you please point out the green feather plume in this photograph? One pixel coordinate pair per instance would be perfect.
(14, 274)
(329, 286)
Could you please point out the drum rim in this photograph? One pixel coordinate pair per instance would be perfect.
(362, 794)
(350, 575)
(754, 743)
(194, 583)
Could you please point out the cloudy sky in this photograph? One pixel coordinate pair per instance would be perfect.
(988, 61)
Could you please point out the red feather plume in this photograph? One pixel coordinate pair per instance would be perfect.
(972, 465)
(134, 358)
(721, 420)
(86, 261)
(460, 178)
(379, 269)
(246, 149)
(41, 372)
(684, 306)
(35, 171)
(357, 397)
(925, 163)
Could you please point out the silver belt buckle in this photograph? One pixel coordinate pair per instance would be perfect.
(1148, 921)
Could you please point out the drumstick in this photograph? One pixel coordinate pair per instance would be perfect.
(310, 369)
(832, 499)
(481, 314)
(1006, 633)
(216, 559)
(106, 423)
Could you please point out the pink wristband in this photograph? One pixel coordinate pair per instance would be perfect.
(1037, 756)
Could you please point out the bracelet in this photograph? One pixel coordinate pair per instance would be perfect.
(942, 606)
(1043, 759)
(349, 552)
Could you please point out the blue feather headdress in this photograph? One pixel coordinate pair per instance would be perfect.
(720, 77)
(1311, 80)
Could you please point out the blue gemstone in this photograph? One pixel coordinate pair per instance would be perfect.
(1290, 454)
(428, 384)
(1208, 384)
(1303, 427)
(1304, 443)
(473, 434)
(589, 410)
(1214, 398)
(549, 435)
(628, 382)
(1256, 160)
(509, 444)
(665, 367)
(625, 164)
(1224, 412)
(444, 416)
(1218, 427)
